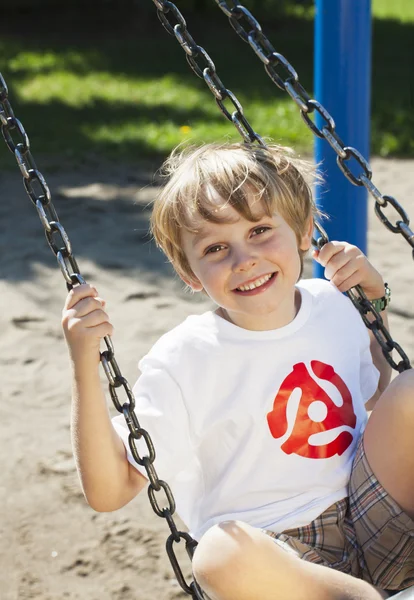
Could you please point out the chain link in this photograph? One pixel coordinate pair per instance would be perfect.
(192, 589)
(239, 17)
(376, 325)
(312, 106)
(61, 247)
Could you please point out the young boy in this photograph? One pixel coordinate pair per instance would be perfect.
(258, 409)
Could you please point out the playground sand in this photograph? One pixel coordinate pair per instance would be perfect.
(52, 545)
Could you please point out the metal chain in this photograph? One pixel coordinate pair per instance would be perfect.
(250, 31)
(380, 332)
(202, 65)
(166, 11)
(58, 240)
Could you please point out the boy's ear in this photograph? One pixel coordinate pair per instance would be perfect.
(194, 283)
(306, 240)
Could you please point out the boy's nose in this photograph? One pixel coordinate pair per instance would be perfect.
(244, 262)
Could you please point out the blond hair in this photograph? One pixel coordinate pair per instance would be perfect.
(234, 170)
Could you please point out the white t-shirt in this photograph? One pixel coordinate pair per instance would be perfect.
(259, 426)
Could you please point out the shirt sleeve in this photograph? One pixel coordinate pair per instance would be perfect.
(161, 411)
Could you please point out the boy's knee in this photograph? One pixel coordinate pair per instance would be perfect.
(221, 553)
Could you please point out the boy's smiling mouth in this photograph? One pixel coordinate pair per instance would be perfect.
(260, 284)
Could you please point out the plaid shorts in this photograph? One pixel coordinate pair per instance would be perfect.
(366, 535)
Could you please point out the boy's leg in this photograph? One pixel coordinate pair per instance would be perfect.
(389, 441)
(235, 561)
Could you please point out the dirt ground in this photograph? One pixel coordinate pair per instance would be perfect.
(52, 545)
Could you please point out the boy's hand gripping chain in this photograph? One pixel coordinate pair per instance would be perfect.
(203, 67)
(42, 200)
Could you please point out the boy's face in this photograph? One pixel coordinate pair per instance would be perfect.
(230, 257)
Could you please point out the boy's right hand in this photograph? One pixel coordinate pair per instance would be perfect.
(85, 323)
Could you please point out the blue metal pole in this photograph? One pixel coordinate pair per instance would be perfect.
(343, 87)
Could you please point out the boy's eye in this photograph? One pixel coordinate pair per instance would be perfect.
(260, 229)
(213, 249)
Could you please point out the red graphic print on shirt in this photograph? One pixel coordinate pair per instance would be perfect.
(304, 427)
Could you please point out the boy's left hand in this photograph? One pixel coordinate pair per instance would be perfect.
(346, 266)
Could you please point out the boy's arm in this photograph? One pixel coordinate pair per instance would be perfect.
(108, 480)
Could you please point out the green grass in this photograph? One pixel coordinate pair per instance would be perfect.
(401, 10)
(81, 103)
(131, 94)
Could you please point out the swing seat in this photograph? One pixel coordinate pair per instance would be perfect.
(407, 594)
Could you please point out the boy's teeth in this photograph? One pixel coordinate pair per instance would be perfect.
(255, 284)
